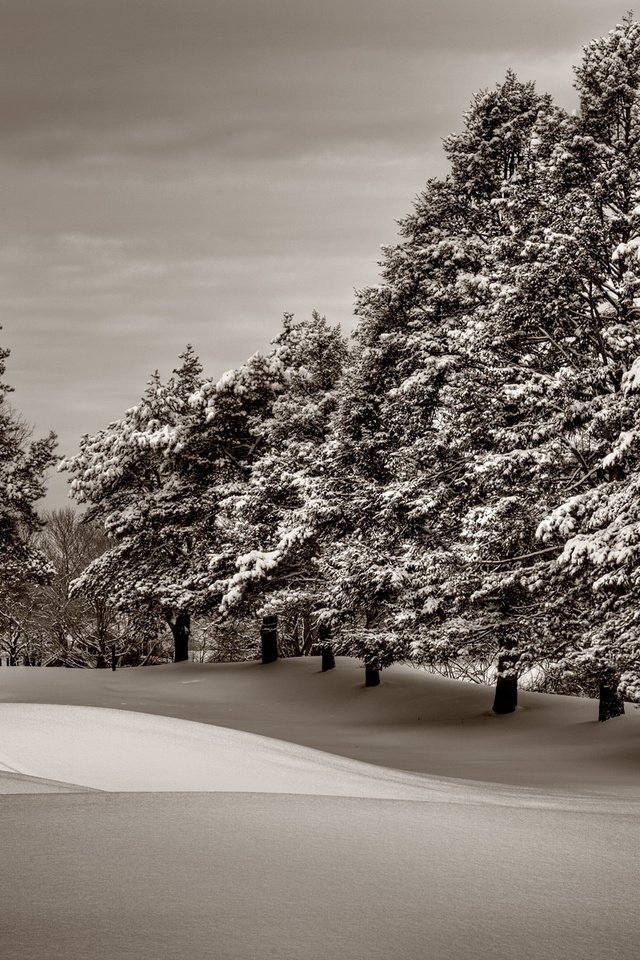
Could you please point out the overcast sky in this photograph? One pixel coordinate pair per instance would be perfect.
(182, 171)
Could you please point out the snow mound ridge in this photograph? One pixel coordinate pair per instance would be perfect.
(122, 751)
(117, 750)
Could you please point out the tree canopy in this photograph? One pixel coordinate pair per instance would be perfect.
(458, 485)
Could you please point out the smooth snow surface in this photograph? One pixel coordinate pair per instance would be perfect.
(251, 876)
(78, 748)
(113, 750)
(412, 721)
(499, 838)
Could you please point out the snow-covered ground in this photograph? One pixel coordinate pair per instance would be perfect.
(241, 811)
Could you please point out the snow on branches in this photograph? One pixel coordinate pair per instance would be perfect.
(23, 465)
(463, 483)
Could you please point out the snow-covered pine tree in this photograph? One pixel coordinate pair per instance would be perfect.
(276, 522)
(418, 429)
(563, 329)
(493, 406)
(591, 588)
(159, 479)
(567, 310)
(140, 484)
(23, 466)
(367, 487)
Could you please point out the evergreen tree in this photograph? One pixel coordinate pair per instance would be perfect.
(23, 466)
(590, 587)
(274, 541)
(157, 480)
(429, 395)
(554, 396)
(493, 406)
(132, 478)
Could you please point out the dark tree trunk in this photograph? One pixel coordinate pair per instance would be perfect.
(307, 635)
(181, 629)
(113, 657)
(101, 662)
(269, 639)
(611, 703)
(326, 650)
(371, 675)
(328, 658)
(506, 698)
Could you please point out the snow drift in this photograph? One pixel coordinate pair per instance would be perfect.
(284, 849)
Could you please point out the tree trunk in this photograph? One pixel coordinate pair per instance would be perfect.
(269, 639)
(506, 698)
(611, 703)
(113, 657)
(328, 658)
(371, 674)
(181, 628)
(326, 649)
(307, 635)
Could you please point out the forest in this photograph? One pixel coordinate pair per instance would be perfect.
(454, 487)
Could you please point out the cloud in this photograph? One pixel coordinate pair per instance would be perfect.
(187, 170)
(158, 78)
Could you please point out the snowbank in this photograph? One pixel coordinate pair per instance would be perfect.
(500, 837)
(123, 751)
(413, 721)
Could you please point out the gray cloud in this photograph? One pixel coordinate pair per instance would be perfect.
(185, 170)
(239, 79)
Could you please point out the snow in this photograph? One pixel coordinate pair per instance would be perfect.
(631, 379)
(414, 721)
(113, 750)
(241, 811)
(621, 447)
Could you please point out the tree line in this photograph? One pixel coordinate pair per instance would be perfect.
(457, 486)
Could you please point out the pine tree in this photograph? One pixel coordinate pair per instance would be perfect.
(23, 466)
(135, 481)
(597, 227)
(158, 480)
(421, 434)
(275, 529)
(558, 346)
